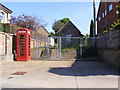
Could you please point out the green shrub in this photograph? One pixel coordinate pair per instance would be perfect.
(116, 25)
(104, 31)
(5, 28)
(1, 27)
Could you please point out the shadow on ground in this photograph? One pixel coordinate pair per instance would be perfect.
(85, 68)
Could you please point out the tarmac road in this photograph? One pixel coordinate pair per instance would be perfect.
(59, 74)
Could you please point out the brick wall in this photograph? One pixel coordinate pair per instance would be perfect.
(6, 47)
(109, 47)
(106, 20)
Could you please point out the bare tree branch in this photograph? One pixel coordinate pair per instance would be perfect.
(27, 21)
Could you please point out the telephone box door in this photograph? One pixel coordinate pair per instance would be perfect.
(23, 45)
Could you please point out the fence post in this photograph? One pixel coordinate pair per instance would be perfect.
(60, 47)
(81, 43)
(48, 47)
(37, 48)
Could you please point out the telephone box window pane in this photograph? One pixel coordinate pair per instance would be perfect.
(21, 31)
(21, 43)
(21, 36)
(21, 54)
(22, 46)
(21, 49)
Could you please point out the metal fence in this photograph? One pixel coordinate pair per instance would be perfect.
(60, 47)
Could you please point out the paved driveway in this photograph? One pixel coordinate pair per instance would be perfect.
(59, 74)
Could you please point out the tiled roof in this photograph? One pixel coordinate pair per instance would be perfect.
(4, 8)
(66, 25)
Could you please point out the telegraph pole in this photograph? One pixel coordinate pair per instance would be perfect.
(94, 15)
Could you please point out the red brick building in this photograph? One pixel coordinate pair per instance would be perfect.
(106, 15)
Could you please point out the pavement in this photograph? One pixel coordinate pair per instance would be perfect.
(59, 74)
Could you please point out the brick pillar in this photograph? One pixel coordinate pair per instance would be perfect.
(6, 47)
(2, 45)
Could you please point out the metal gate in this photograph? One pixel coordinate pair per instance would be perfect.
(61, 47)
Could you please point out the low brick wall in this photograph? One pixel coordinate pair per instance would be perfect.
(6, 47)
(108, 46)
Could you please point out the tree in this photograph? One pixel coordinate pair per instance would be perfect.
(1, 27)
(91, 28)
(27, 21)
(86, 35)
(64, 20)
(5, 27)
(116, 25)
(59, 24)
(53, 35)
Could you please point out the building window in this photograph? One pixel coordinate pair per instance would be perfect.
(103, 15)
(1, 15)
(68, 39)
(110, 7)
(99, 18)
(7, 17)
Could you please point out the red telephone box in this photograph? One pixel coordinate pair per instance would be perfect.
(23, 45)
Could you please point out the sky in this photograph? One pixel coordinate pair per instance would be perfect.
(80, 13)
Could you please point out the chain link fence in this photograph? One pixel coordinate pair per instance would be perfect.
(61, 47)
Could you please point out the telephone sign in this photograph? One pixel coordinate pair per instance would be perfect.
(23, 45)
